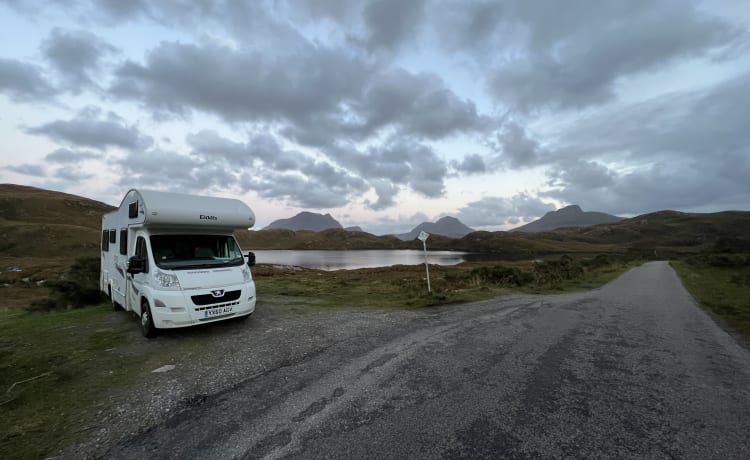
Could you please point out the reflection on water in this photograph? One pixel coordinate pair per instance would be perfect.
(349, 260)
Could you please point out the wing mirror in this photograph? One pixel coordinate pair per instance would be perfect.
(250, 259)
(136, 265)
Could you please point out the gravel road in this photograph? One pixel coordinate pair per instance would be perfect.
(634, 369)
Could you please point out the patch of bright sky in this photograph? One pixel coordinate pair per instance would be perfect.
(18, 147)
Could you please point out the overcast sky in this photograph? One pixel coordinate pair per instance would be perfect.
(383, 113)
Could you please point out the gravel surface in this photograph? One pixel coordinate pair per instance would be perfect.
(634, 369)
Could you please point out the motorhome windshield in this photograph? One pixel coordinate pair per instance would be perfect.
(195, 251)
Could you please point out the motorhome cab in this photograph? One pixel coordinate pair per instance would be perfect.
(173, 260)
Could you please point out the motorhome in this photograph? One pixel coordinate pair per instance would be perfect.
(172, 259)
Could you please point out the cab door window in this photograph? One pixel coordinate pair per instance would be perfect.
(141, 251)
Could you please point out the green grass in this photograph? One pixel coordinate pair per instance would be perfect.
(725, 291)
(71, 357)
(406, 286)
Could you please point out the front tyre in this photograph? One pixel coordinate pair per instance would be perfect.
(147, 321)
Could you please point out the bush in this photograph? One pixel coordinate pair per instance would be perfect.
(503, 276)
(78, 287)
(553, 272)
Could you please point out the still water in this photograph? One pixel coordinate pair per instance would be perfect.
(349, 260)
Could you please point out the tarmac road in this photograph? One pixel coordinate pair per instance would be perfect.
(634, 369)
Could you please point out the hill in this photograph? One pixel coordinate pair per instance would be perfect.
(569, 216)
(446, 226)
(332, 238)
(42, 232)
(669, 231)
(306, 221)
(43, 223)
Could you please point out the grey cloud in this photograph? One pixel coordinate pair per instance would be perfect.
(63, 156)
(70, 174)
(515, 148)
(173, 171)
(271, 87)
(295, 189)
(317, 94)
(23, 82)
(585, 174)
(417, 104)
(27, 169)
(682, 151)
(401, 161)
(470, 164)
(684, 187)
(705, 124)
(571, 54)
(386, 192)
(280, 173)
(121, 11)
(75, 55)
(88, 129)
(496, 211)
(390, 22)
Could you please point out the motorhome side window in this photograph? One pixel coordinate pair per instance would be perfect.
(124, 241)
(113, 236)
(133, 210)
(105, 240)
(140, 251)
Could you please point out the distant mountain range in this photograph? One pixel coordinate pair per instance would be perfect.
(306, 221)
(446, 226)
(45, 231)
(569, 216)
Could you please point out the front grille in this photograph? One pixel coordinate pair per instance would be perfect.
(208, 299)
(209, 307)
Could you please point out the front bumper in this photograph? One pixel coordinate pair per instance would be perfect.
(172, 309)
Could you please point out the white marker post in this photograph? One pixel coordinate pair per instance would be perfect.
(423, 238)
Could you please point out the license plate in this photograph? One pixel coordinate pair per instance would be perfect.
(217, 312)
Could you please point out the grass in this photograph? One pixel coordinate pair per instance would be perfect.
(405, 286)
(725, 291)
(62, 362)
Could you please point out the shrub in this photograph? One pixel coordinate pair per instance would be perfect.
(553, 272)
(503, 276)
(77, 288)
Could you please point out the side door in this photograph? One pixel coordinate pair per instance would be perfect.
(136, 282)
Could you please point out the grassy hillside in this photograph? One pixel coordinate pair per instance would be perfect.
(306, 239)
(41, 234)
(667, 232)
(43, 223)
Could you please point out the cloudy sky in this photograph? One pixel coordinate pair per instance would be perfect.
(383, 113)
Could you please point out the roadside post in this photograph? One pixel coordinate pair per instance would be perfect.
(423, 238)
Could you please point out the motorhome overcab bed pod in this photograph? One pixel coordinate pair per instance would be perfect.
(173, 260)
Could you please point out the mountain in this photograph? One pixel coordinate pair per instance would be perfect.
(446, 226)
(569, 216)
(306, 221)
(355, 228)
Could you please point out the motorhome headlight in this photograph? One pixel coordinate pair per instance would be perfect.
(246, 274)
(167, 280)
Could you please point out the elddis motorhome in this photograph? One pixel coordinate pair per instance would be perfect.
(173, 260)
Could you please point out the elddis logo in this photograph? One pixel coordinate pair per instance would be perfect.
(203, 217)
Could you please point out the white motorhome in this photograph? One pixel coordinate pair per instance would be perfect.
(173, 260)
